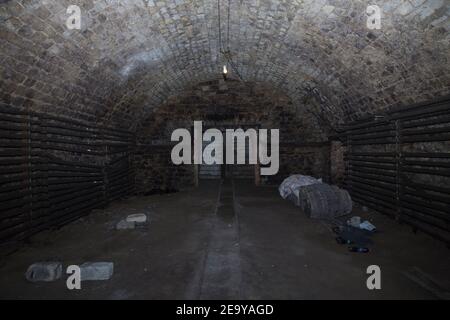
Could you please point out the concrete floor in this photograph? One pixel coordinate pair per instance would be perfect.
(227, 240)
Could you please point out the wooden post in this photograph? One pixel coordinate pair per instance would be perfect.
(257, 175)
(196, 171)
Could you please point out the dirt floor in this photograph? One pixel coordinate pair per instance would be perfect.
(229, 240)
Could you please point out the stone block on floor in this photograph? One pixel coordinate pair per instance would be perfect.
(125, 225)
(44, 271)
(95, 271)
(139, 218)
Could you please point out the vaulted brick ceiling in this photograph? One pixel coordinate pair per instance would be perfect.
(132, 54)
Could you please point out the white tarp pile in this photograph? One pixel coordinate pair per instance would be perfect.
(289, 188)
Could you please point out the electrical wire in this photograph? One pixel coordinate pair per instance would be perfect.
(226, 53)
(220, 26)
(228, 26)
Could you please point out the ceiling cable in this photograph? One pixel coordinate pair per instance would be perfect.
(220, 26)
(226, 53)
(228, 26)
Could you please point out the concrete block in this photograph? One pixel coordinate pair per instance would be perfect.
(125, 225)
(140, 218)
(94, 271)
(44, 271)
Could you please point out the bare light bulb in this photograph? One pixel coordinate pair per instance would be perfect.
(225, 69)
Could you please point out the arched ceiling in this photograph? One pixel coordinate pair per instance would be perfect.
(131, 55)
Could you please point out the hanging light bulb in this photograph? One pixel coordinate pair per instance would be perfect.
(225, 72)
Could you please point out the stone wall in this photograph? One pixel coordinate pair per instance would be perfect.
(132, 57)
(228, 105)
(337, 162)
(156, 173)
(308, 159)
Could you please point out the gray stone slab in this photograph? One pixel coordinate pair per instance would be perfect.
(139, 218)
(44, 271)
(125, 225)
(95, 271)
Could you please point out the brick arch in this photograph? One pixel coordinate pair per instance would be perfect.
(130, 56)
